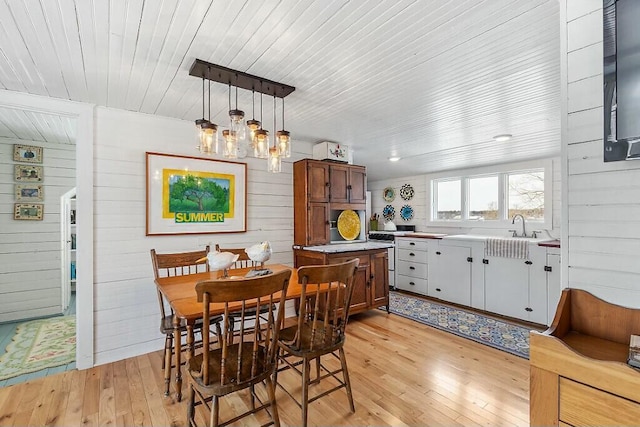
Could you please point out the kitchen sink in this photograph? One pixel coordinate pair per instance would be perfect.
(484, 237)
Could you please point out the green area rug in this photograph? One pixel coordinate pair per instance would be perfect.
(487, 330)
(40, 344)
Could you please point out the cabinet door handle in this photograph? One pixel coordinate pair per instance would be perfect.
(485, 261)
(469, 259)
(412, 243)
(438, 289)
(528, 309)
(412, 268)
(412, 284)
(438, 253)
(548, 268)
(528, 262)
(412, 254)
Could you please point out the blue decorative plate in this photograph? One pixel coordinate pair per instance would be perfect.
(388, 212)
(406, 212)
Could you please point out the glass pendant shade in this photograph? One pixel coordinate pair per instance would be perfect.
(208, 138)
(274, 161)
(261, 144)
(230, 144)
(199, 134)
(252, 126)
(237, 126)
(283, 140)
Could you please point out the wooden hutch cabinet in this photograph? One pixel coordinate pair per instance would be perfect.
(318, 187)
(321, 190)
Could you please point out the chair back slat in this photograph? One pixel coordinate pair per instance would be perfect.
(326, 296)
(243, 260)
(177, 264)
(242, 357)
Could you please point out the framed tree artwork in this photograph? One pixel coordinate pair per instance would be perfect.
(191, 195)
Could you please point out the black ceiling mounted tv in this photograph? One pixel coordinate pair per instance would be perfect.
(621, 19)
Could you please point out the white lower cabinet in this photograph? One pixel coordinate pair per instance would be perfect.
(411, 267)
(457, 271)
(517, 287)
(450, 278)
(553, 282)
(506, 285)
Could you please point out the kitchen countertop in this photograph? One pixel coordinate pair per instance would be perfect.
(421, 235)
(551, 243)
(347, 247)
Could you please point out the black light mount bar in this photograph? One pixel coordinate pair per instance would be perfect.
(220, 74)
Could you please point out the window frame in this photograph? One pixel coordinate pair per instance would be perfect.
(502, 172)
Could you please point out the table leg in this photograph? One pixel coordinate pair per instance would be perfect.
(190, 340)
(177, 344)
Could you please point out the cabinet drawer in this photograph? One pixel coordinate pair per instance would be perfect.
(418, 245)
(584, 405)
(412, 255)
(412, 269)
(411, 284)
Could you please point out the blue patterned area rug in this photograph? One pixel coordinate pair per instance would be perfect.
(486, 330)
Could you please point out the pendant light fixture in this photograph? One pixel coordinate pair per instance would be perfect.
(261, 149)
(230, 137)
(241, 137)
(283, 138)
(274, 160)
(207, 131)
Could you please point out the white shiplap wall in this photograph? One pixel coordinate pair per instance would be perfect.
(30, 251)
(126, 307)
(603, 199)
(420, 201)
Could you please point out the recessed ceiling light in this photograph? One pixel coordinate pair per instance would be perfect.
(394, 159)
(503, 137)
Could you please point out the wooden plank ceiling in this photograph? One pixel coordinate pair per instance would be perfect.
(428, 80)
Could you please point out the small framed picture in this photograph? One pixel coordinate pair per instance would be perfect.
(27, 153)
(29, 193)
(28, 173)
(28, 211)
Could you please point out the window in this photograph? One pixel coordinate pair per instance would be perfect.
(486, 198)
(526, 195)
(483, 198)
(449, 201)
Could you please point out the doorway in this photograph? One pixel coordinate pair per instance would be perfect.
(83, 115)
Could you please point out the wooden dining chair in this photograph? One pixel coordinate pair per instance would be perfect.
(176, 264)
(238, 361)
(243, 261)
(319, 330)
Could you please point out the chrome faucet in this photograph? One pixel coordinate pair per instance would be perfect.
(513, 221)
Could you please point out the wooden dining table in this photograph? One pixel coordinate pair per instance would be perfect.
(180, 293)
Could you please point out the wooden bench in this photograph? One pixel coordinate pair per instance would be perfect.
(579, 374)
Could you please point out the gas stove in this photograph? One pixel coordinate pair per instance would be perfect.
(389, 236)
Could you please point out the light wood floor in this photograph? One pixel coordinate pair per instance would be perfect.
(402, 373)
